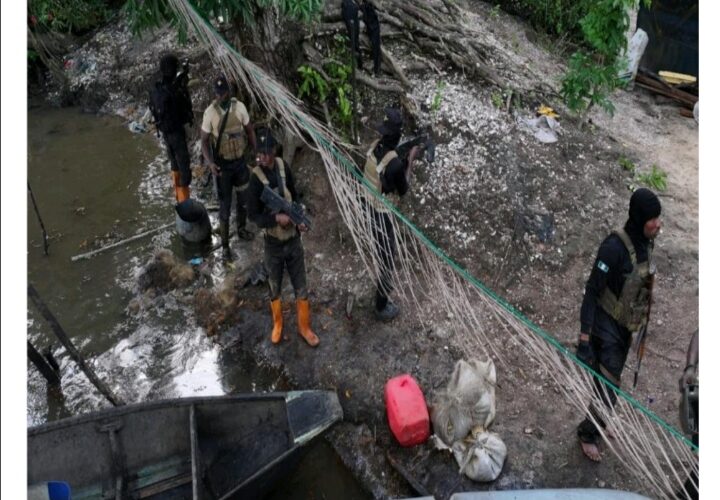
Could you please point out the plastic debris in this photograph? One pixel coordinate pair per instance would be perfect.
(137, 127)
(544, 128)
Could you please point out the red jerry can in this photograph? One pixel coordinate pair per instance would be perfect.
(406, 410)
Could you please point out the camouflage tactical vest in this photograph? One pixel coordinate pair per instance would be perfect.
(372, 171)
(278, 232)
(631, 308)
(234, 139)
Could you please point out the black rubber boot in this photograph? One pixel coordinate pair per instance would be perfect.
(225, 235)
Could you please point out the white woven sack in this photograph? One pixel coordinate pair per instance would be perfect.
(481, 458)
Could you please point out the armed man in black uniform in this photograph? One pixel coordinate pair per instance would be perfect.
(171, 108)
(349, 10)
(616, 303)
(283, 244)
(389, 175)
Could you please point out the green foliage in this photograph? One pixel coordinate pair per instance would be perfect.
(555, 17)
(589, 82)
(656, 179)
(343, 113)
(313, 85)
(497, 99)
(302, 10)
(146, 14)
(340, 75)
(437, 98)
(70, 16)
(627, 164)
(495, 11)
(592, 72)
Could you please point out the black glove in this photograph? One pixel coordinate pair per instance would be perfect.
(585, 353)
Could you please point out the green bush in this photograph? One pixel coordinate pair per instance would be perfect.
(312, 84)
(656, 179)
(437, 98)
(554, 17)
(592, 73)
(627, 164)
(144, 14)
(72, 16)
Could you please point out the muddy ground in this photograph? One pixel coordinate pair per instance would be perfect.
(524, 217)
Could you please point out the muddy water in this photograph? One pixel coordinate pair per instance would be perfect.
(95, 183)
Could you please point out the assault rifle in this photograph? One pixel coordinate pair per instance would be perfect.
(278, 204)
(423, 140)
(642, 334)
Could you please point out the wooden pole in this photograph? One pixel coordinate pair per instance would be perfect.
(67, 343)
(46, 243)
(119, 243)
(47, 371)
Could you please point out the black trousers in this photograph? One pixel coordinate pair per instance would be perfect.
(349, 10)
(176, 144)
(610, 356)
(372, 24)
(234, 177)
(386, 247)
(285, 254)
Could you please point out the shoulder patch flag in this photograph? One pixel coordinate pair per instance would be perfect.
(602, 266)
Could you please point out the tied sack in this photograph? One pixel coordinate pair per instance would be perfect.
(467, 402)
(461, 415)
(481, 456)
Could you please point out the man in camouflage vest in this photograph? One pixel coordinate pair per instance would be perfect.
(228, 122)
(389, 176)
(283, 244)
(616, 304)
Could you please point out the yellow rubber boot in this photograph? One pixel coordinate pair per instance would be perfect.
(276, 308)
(303, 314)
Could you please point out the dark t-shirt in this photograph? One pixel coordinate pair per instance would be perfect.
(256, 208)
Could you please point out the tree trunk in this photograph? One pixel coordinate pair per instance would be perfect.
(273, 41)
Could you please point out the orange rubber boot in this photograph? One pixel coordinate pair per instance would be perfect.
(182, 193)
(303, 315)
(276, 308)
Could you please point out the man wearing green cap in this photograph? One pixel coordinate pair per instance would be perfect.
(227, 120)
(283, 244)
(616, 304)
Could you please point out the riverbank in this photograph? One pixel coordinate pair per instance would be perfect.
(524, 217)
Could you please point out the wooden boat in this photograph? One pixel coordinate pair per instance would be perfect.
(200, 448)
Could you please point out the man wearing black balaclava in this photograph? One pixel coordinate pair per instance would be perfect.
(387, 173)
(171, 108)
(616, 302)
